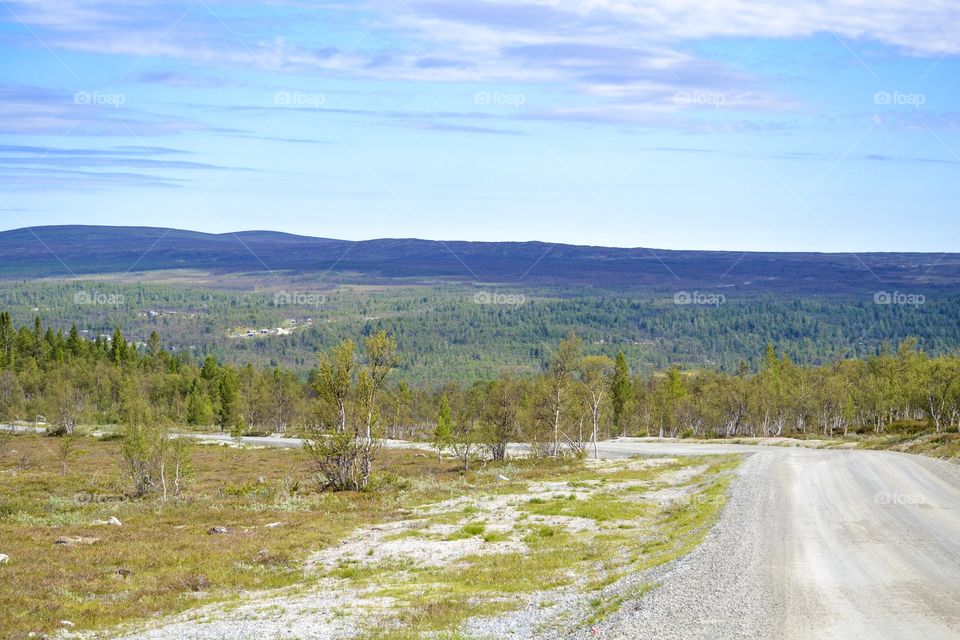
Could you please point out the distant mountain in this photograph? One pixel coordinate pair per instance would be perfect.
(64, 251)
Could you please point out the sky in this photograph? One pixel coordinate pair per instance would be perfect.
(829, 125)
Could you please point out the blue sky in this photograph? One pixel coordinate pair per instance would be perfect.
(821, 126)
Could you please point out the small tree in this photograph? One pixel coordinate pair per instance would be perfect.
(66, 452)
(154, 461)
(463, 442)
(501, 415)
(561, 368)
(443, 432)
(343, 459)
(595, 374)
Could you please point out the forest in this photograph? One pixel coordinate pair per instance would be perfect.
(448, 332)
(574, 399)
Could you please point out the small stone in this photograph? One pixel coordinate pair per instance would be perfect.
(113, 522)
(503, 478)
(217, 530)
(124, 573)
(273, 525)
(74, 540)
(4, 558)
(67, 623)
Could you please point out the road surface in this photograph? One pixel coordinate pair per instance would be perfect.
(815, 544)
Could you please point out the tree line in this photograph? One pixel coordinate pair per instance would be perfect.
(575, 401)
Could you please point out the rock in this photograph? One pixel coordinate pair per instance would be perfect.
(4, 558)
(124, 573)
(503, 478)
(67, 623)
(273, 525)
(113, 521)
(74, 540)
(216, 530)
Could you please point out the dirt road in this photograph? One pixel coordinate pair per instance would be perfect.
(815, 544)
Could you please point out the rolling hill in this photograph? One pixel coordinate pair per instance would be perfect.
(77, 250)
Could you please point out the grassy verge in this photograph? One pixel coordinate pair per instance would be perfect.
(595, 539)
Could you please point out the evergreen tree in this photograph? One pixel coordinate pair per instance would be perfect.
(620, 393)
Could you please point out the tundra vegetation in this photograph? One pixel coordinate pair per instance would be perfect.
(253, 520)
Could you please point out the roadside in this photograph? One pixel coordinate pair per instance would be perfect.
(521, 559)
(252, 531)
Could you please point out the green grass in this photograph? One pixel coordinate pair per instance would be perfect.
(468, 531)
(601, 507)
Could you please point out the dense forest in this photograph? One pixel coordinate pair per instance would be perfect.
(572, 400)
(448, 332)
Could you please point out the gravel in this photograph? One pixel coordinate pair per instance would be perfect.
(713, 592)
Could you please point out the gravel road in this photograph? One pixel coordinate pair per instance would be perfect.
(811, 544)
(816, 544)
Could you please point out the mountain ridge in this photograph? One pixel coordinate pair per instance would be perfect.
(80, 250)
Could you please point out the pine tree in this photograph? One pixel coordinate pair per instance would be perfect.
(118, 347)
(620, 392)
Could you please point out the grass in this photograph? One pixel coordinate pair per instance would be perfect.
(601, 507)
(161, 560)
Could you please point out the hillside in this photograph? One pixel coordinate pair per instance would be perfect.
(64, 251)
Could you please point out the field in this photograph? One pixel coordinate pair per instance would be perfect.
(595, 527)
